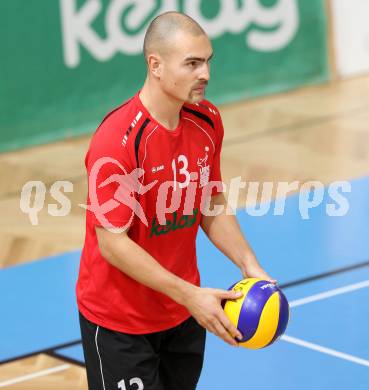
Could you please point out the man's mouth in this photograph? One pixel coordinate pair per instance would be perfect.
(200, 88)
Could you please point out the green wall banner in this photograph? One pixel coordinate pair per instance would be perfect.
(64, 63)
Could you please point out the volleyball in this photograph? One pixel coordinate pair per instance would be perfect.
(261, 314)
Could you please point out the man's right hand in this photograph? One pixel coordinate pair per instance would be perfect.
(205, 306)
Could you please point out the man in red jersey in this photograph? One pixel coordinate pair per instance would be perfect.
(143, 313)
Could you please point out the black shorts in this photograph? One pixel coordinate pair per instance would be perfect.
(168, 360)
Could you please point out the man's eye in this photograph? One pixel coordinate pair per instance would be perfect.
(192, 64)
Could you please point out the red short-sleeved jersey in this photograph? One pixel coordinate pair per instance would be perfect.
(151, 179)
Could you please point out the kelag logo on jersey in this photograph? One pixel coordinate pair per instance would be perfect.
(272, 27)
(172, 224)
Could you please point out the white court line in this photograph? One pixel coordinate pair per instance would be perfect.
(330, 293)
(34, 375)
(325, 350)
(319, 297)
(293, 340)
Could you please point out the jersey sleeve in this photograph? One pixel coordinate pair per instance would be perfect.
(111, 192)
(216, 175)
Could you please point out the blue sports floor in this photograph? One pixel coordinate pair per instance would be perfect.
(322, 264)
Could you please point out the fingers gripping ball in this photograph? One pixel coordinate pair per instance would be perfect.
(261, 314)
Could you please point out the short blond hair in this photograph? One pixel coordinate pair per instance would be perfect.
(164, 27)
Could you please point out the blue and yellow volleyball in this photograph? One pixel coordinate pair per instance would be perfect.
(261, 314)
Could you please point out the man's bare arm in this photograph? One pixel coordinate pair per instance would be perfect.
(202, 303)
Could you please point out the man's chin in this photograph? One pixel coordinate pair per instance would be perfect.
(195, 98)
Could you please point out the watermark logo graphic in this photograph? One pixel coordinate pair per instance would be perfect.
(128, 185)
(33, 197)
(168, 197)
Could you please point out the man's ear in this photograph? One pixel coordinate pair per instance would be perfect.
(154, 64)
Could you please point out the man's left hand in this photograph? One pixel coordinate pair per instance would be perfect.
(251, 269)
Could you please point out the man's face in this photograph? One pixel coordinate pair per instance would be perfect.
(186, 68)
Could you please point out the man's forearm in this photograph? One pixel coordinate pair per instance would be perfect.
(135, 262)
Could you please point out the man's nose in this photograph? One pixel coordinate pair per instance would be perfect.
(205, 71)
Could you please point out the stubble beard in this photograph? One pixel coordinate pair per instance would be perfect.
(194, 97)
